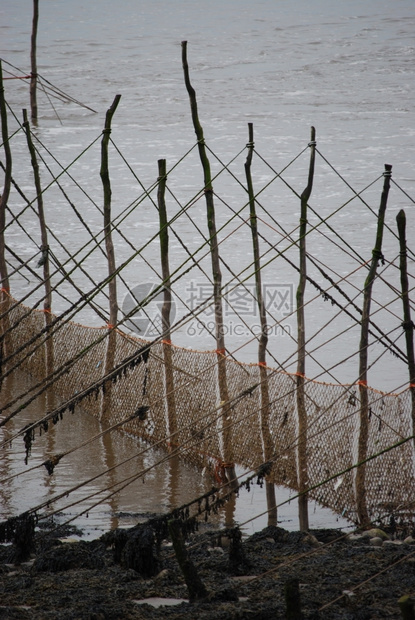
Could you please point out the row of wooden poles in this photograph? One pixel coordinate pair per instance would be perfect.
(269, 448)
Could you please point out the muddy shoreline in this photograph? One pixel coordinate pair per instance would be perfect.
(108, 578)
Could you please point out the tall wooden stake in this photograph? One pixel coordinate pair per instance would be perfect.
(112, 285)
(195, 585)
(293, 599)
(4, 275)
(217, 278)
(33, 61)
(165, 311)
(300, 392)
(263, 340)
(44, 261)
(406, 607)
(362, 512)
(407, 324)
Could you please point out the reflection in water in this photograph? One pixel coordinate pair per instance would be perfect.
(95, 507)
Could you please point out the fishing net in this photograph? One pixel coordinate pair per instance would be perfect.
(175, 391)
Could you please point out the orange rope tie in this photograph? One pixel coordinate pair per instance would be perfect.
(362, 382)
(109, 326)
(220, 473)
(6, 290)
(220, 476)
(166, 341)
(264, 364)
(221, 351)
(47, 310)
(18, 77)
(412, 385)
(299, 374)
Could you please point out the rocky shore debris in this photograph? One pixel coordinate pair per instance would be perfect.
(136, 573)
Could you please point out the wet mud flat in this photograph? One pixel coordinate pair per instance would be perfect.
(125, 573)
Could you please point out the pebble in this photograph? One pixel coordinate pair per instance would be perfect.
(156, 601)
(349, 593)
(409, 540)
(69, 540)
(312, 540)
(376, 533)
(376, 541)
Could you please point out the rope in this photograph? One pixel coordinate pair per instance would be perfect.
(17, 77)
(24, 229)
(359, 585)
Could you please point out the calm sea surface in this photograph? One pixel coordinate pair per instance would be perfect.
(345, 68)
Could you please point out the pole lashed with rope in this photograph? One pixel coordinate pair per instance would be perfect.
(268, 444)
(363, 354)
(228, 464)
(112, 283)
(300, 377)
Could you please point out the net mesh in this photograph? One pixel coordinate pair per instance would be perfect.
(332, 413)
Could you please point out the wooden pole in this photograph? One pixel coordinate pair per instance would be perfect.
(406, 607)
(195, 586)
(33, 61)
(362, 512)
(5, 342)
(44, 261)
(166, 308)
(5, 286)
(217, 278)
(293, 599)
(407, 324)
(267, 441)
(112, 285)
(300, 391)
